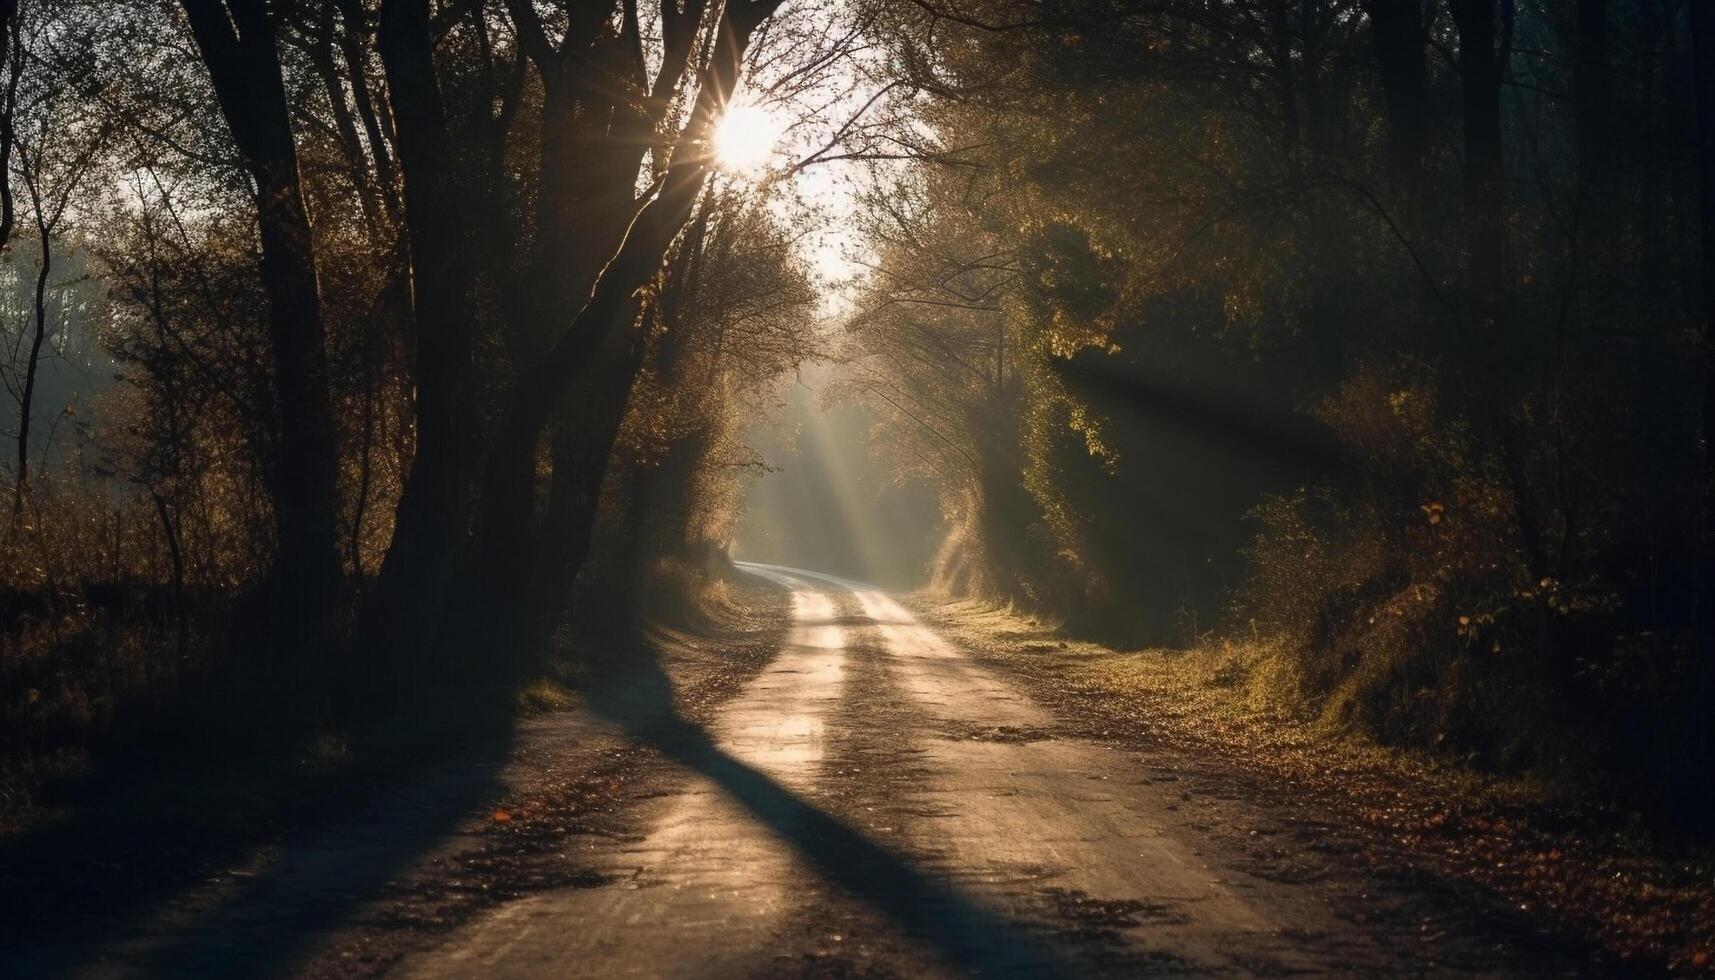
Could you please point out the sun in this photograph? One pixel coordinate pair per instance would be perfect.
(745, 138)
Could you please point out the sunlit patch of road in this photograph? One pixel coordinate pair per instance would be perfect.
(702, 891)
(1066, 837)
(779, 724)
(935, 673)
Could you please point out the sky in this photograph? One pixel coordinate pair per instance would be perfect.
(823, 90)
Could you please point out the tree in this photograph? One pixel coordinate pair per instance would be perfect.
(1400, 41)
(1703, 52)
(238, 43)
(433, 511)
(11, 53)
(734, 312)
(599, 348)
(53, 143)
(1484, 47)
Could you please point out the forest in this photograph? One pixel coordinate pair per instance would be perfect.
(1367, 340)
(371, 366)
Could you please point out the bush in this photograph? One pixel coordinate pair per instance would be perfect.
(1405, 606)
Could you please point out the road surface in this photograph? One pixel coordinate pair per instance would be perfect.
(876, 803)
(873, 801)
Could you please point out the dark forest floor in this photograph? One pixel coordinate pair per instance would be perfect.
(1587, 870)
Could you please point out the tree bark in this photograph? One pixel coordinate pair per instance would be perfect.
(238, 45)
(12, 54)
(1396, 28)
(33, 360)
(587, 180)
(598, 350)
(1703, 54)
(320, 53)
(1481, 65)
(657, 499)
(356, 56)
(434, 509)
(1485, 41)
(599, 116)
(181, 614)
(1591, 82)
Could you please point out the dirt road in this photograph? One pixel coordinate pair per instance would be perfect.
(874, 802)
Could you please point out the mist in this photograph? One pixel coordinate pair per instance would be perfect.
(829, 501)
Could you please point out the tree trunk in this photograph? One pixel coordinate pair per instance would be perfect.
(1396, 27)
(661, 502)
(508, 558)
(33, 361)
(12, 55)
(181, 614)
(582, 203)
(1481, 64)
(238, 45)
(598, 351)
(320, 53)
(579, 230)
(356, 56)
(583, 442)
(1591, 82)
(434, 509)
(588, 167)
(1703, 53)
(1493, 351)
(598, 359)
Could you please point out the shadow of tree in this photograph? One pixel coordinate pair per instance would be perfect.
(965, 933)
(270, 924)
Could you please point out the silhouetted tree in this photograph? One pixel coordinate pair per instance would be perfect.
(239, 45)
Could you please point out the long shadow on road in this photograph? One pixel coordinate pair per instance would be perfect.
(966, 934)
(266, 925)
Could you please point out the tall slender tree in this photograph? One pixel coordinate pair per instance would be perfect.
(1397, 31)
(1483, 52)
(239, 46)
(1703, 52)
